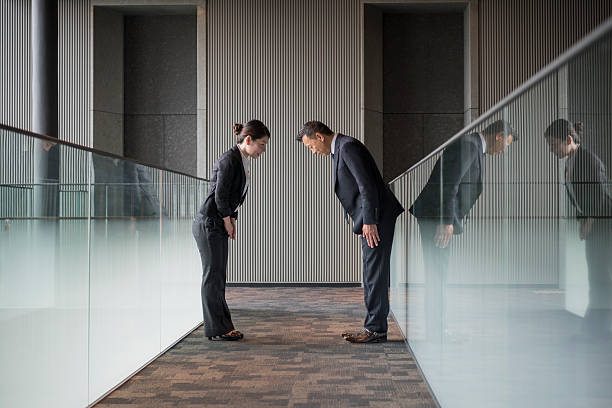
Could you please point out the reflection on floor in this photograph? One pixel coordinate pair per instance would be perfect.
(292, 355)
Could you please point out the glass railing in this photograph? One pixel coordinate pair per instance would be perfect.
(99, 272)
(502, 272)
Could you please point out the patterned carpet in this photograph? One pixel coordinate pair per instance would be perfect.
(292, 356)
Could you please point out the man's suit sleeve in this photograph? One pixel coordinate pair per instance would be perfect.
(353, 156)
(223, 191)
(456, 161)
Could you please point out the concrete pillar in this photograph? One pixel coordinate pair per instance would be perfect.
(45, 106)
(44, 67)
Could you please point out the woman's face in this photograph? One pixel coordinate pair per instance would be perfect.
(255, 147)
(558, 147)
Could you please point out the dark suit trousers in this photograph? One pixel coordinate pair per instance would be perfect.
(376, 276)
(211, 238)
(436, 265)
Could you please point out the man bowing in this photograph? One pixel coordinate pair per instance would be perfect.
(373, 208)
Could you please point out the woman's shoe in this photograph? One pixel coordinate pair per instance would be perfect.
(231, 336)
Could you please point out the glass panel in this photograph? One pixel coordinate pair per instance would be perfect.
(99, 272)
(43, 272)
(125, 270)
(517, 309)
(182, 270)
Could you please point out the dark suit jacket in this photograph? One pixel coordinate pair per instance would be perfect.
(459, 171)
(587, 185)
(226, 185)
(359, 185)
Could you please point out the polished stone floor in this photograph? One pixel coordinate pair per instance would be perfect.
(292, 356)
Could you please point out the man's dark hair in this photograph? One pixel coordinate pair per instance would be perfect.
(560, 128)
(310, 128)
(501, 126)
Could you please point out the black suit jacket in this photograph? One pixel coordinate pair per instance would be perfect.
(359, 185)
(587, 185)
(459, 172)
(226, 185)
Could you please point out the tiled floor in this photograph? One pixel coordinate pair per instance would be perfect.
(292, 356)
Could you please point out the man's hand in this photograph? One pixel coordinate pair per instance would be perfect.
(370, 233)
(586, 224)
(230, 226)
(444, 233)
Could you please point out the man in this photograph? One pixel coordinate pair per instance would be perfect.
(586, 186)
(454, 186)
(373, 208)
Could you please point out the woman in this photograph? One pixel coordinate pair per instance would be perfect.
(586, 187)
(216, 221)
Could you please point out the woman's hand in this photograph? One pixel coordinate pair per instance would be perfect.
(230, 226)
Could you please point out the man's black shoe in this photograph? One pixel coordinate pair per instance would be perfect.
(366, 336)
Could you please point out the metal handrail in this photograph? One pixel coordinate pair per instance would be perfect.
(93, 150)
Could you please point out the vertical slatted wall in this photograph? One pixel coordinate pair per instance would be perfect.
(73, 83)
(519, 37)
(74, 100)
(285, 63)
(15, 98)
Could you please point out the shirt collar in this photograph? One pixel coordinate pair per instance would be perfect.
(245, 159)
(333, 145)
(484, 143)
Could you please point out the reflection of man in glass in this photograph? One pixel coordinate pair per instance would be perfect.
(450, 193)
(586, 185)
(141, 199)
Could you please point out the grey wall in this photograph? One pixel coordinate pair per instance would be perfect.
(372, 108)
(160, 91)
(73, 82)
(73, 69)
(519, 37)
(423, 86)
(286, 62)
(108, 81)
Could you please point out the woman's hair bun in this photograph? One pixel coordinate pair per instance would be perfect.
(237, 128)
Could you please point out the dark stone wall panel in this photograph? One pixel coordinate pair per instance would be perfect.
(179, 142)
(403, 143)
(143, 138)
(160, 64)
(423, 63)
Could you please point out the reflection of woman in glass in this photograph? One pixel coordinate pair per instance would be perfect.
(586, 186)
(216, 221)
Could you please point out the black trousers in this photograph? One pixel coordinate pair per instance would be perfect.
(211, 237)
(436, 266)
(376, 276)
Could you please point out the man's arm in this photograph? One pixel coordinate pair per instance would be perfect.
(353, 156)
(455, 163)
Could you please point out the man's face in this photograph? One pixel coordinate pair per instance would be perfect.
(318, 144)
(499, 143)
(557, 147)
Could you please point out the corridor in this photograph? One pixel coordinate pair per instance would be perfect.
(292, 356)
